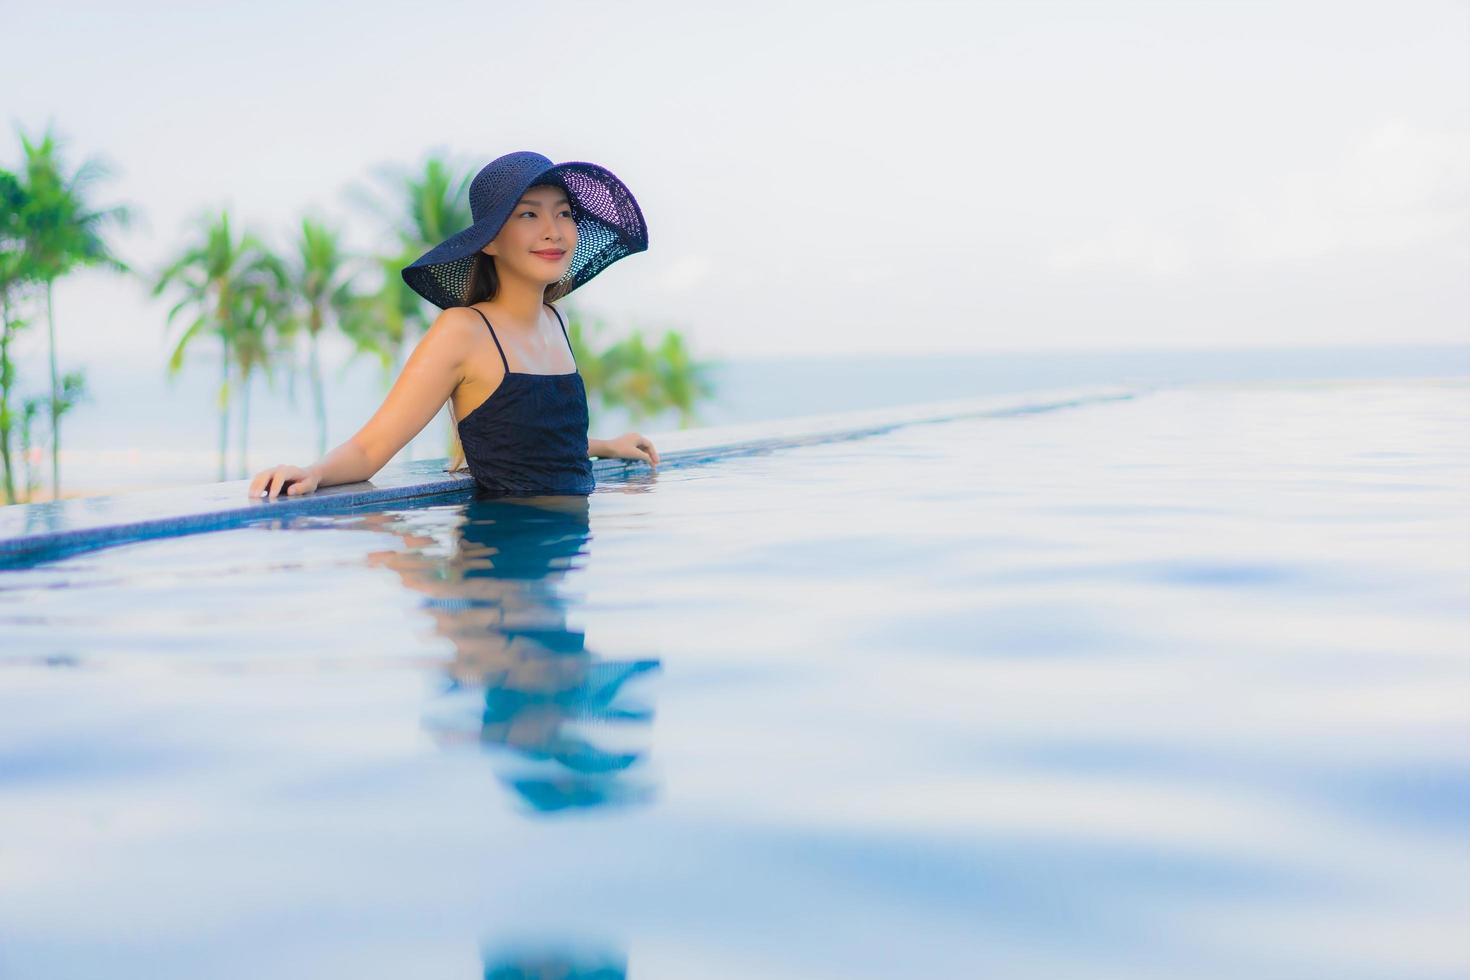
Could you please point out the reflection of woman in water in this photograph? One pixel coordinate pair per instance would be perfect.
(540, 231)
(520, 678)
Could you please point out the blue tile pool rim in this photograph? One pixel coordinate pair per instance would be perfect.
(30, 531)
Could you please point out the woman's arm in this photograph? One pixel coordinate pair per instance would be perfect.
(433, 370)
(629, 445)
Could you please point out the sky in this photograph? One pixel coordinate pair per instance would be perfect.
(885, 178)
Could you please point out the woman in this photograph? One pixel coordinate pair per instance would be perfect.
(540, 231)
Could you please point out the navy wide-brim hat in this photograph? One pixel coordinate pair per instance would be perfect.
(610, 224)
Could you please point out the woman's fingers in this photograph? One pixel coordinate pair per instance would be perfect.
(283, 481)
(261, 482)
(647, 452)
(279, 480)
(291, 481)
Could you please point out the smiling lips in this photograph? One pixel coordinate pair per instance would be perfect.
(551, 254)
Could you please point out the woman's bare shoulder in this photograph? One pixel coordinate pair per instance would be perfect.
(457, 316)
(457, 325)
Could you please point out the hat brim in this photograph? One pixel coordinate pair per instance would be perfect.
(610, 226)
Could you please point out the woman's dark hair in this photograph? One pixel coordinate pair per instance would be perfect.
(484, 281)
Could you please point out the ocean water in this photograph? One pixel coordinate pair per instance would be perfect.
(1171, 686)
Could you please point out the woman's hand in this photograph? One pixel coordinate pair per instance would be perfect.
(293, 479)
(633, 445)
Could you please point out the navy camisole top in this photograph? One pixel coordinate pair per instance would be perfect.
(530, 435)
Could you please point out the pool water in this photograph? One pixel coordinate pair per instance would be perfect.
(1170, 686)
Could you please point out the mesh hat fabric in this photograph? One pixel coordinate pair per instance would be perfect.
(610, 225)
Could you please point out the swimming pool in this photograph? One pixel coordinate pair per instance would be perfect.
(1167, 686)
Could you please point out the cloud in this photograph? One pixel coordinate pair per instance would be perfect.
(685, 274)
(1396, 187)
(1129, 246)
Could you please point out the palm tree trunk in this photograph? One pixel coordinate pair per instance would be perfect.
(55, 398)
(321, 400)
(244, 423)
(31, 483)
(224, 410)
(6, 373)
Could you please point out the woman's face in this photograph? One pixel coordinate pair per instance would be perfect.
(538, 239)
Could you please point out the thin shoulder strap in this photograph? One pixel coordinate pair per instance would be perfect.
(564, 333)
(494, 338)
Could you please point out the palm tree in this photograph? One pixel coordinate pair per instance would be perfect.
(263, 331)
(682, 380)
(644, 381)
(424, 208)
(62, 232)
(321, 281)
(8, 329)
(418, 210)
(220, 277)
(13, 276)
(377, 322)
(30, 410)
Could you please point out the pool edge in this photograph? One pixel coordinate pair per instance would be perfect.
(81, 523)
